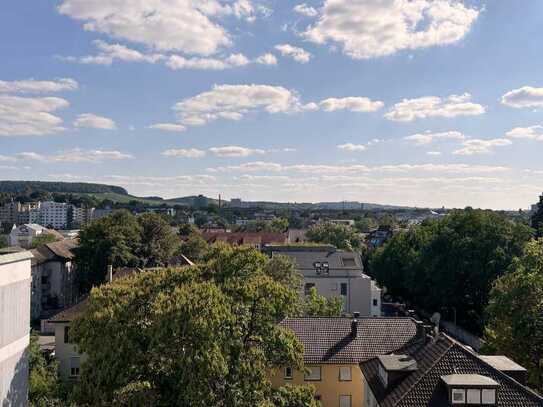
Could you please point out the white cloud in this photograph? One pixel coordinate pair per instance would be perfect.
(111, 52)
(177, 62)
(92, 121)
(232, 102)
(480, 146)
(298, 54)
(532, 132)
(256, 166)
(34, 86)
(23, 116)
(376, 28)
(433, 106)
(352, 147)
(305, 10)
(166, 25)
(235, 151)
(434, 153)
(354, 104)
(76, 155)
(184, 153)
(421, 139)
(266, 59)
(526, 96)
(177, 128)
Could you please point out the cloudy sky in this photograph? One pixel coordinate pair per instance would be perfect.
(421, 102)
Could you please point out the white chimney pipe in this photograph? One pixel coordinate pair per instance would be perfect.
(109, 277)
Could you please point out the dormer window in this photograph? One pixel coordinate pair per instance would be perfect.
(471, 389)
(393, 368)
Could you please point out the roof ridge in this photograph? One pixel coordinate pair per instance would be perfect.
(425, 373)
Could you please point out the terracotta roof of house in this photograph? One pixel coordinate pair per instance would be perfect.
(329, 340)
(436, 359)
(242, 238)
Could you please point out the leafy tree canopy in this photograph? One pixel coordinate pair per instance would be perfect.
(42, 239)
(451, 263)
(198, 336)
(159, 243)
(341, 236)
(515, 313)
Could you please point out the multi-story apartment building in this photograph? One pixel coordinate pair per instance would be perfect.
(9, 212)
(15, 281)
(54, 214)
(29, 213)
(334, 273)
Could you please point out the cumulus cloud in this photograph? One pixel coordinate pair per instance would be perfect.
(526, 96)
(305, 10)
(532, 132)
(266, 59)
(184, 153)
(352, 147)
(376, 28)
(35, 86)
(480, 146)
(164, 25)
(421, 139)
(76, 155)
(92, 121)
(232, 102)
(176, 62)
(25, 116)
(354, 104)
(235, 151)
(172, 127)
(298, 54)
(433, 106)
(434, 153)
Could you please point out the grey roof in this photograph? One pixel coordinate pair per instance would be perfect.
(435, 359)
(329, 341)
(468, 380)
(503, 363)
(336, 259)
(398, 362)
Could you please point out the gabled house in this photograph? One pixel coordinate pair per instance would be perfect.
(443, 372)
(334, 349)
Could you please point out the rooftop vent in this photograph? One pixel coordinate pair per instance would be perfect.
(472, 389)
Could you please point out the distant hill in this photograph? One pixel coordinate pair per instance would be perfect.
(22, 187)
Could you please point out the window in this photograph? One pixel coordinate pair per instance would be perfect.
(375, 303)
(473, 396)
(66, 334)
(348, 262)
(345, 374)
(458, 396)
(345, 400)
(308, 287)
(313, 374)
(343, 288)
(288, 373)
(75, 365)
(488, 396)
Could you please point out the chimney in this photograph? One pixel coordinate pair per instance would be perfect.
(109, 276)
(354, 324)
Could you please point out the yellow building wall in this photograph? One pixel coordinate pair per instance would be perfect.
(329, 388)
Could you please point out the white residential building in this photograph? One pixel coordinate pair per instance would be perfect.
(23, 235)
(335, 273)
(55, 214)
(15, 279)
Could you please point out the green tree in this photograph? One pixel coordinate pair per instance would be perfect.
(3, 241)
(365, 225)
(341, 236)
(515, 313)
(43, 239)
(316, 305)
(294, 396)
(44, 385)
(194, 247)
(537, 218)
(159, 243)
(451, 263)
(198, 336)
(114, 239)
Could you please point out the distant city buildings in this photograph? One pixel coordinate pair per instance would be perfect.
(52, 215)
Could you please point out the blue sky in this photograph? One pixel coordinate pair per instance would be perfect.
(424, 102)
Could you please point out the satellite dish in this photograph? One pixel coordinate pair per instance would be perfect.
(436, 318)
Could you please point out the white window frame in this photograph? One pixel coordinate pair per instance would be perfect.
(345, 374)
(312, 377)
(488, 396)
(345, 398)
(458, 391)
(286, 375)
